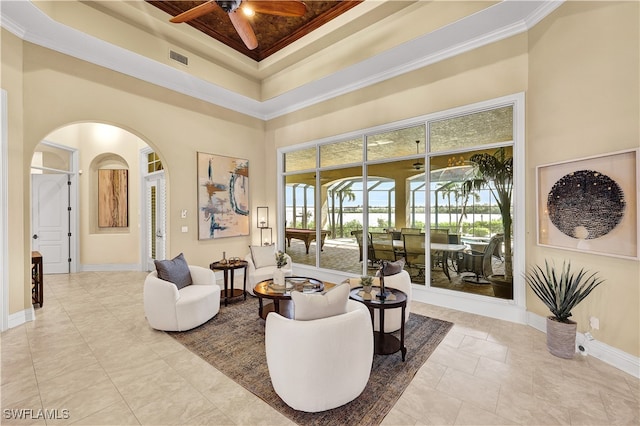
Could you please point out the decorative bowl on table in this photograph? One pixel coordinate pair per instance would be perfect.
(301, 284)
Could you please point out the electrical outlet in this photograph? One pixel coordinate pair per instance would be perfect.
(594, 323)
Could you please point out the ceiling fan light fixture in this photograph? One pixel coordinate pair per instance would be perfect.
(247, 10)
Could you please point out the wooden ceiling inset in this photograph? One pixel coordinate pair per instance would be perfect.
(273, 32)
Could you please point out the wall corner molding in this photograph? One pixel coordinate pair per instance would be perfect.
(21, 317)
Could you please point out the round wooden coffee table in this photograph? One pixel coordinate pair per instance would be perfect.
(282, 298)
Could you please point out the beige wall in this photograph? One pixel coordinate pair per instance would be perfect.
(579, 69)
(19, 254)
(59, 90)
(583, 100)
(62, 90)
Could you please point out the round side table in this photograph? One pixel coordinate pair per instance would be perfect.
(385, 343)
(228, 272)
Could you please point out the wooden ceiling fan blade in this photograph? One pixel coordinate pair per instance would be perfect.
(242, 26)
(278, 7)
(195, 12)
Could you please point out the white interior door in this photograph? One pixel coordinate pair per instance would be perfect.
(50, 221)
(155, 211)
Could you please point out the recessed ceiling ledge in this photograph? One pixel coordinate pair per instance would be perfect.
(505, 19)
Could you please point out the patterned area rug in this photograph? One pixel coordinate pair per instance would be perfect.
(237, 333)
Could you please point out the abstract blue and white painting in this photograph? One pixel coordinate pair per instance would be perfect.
(223, 196)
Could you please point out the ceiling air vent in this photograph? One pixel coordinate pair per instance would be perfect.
(178, 57)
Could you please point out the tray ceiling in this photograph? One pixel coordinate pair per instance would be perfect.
(273, 32)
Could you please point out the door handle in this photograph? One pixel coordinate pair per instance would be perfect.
(35, 236)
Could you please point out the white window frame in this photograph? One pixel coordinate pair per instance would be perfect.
(511, 310)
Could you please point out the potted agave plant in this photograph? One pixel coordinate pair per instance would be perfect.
(561, 292)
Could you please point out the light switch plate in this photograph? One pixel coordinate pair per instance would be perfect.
(183, 214)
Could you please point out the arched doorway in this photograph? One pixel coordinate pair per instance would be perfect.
(102, 151)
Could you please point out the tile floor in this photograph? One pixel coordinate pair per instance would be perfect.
(90, 358)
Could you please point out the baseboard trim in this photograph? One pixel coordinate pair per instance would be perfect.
(21, 317)
(111, 267)
(502, 310)
(615, 357)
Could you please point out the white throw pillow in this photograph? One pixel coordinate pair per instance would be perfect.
(263, 256)
(310, 306)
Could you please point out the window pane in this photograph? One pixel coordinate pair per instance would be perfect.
(51, 157)
(342, 220)
(471, 130)
(303, 159)
(416, 202)
(153, 163)
(300, 200)
(468, 218)
(300, 214)
(345, 152)
(396, 143)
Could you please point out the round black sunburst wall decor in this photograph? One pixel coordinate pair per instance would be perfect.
(586, 204)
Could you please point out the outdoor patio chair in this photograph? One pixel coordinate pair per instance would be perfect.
(370, 254)
(410, 231)
(481, 263)
(414, 254)
(438, 236)
(382, 243)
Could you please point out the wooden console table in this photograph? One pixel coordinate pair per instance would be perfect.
(36, 278)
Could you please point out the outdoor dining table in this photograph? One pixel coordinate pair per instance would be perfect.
(446, 249)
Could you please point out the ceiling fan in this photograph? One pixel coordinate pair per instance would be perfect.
(418, 164)
(239, 20)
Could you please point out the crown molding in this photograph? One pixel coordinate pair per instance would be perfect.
(500, 21)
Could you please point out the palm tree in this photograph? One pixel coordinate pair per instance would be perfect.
(495, 172)
(461, 197)
(345, 193)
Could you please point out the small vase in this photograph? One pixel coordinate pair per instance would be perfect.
(278, 277)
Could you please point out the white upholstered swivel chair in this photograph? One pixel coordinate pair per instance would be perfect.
(320, 364)
(262, 267)
(402, 282)
(170, 309)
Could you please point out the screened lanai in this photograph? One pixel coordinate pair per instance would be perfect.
(387, 183)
